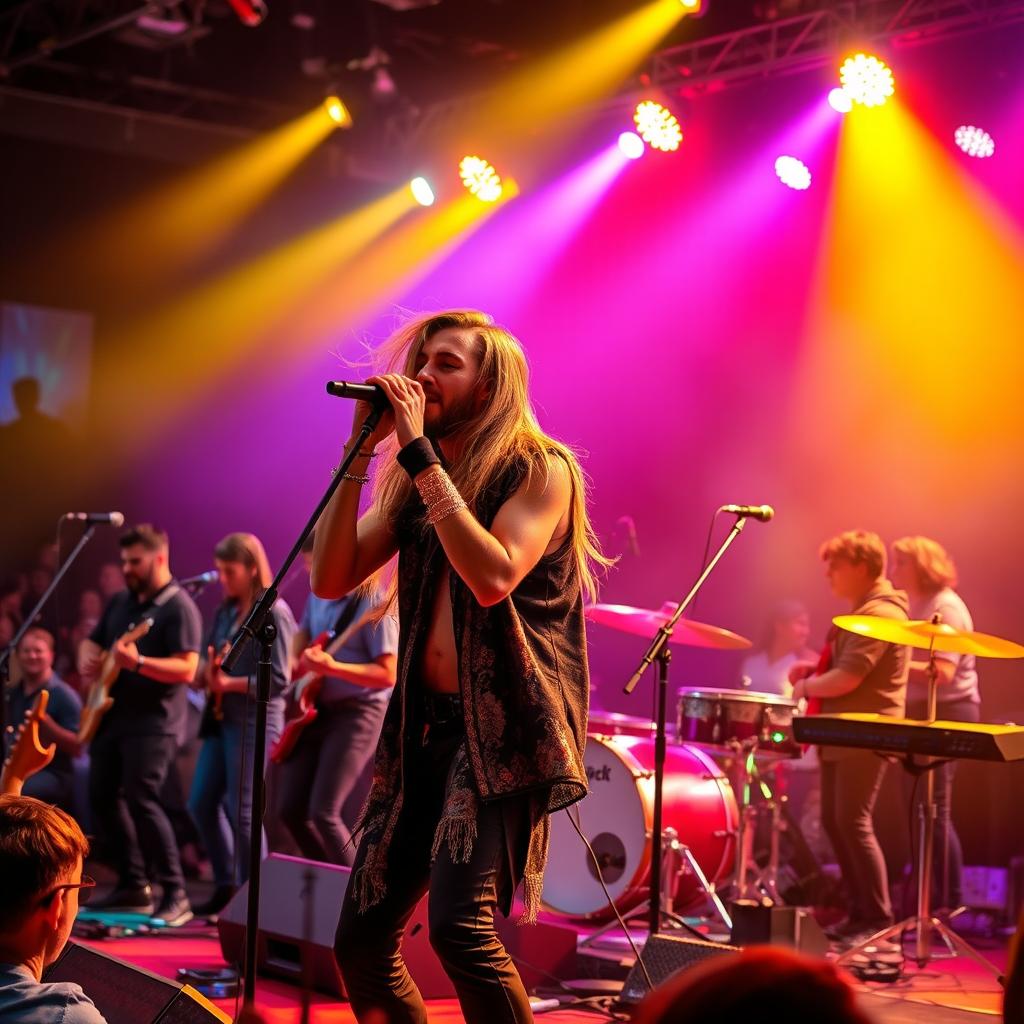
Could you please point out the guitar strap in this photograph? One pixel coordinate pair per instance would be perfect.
(159, 601)
(346, 615)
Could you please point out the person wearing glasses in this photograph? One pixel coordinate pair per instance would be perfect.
(41, 887)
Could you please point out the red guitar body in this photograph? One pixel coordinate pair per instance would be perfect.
(309, 694)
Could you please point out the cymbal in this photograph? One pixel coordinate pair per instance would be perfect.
(643, 622)
(925, 634)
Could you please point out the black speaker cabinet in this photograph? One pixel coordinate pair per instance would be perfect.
(754, 924)
(126, 994)
(665, 955)
(299, 905)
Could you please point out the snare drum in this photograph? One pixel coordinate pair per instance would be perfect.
(717, 718)
(616, 817)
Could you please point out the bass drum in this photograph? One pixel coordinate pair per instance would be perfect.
(616, 817)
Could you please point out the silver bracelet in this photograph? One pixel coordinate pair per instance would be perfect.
(355, 479)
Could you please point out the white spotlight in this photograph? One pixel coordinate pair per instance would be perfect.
(793, 172)
(839, 100)
(974, 141)
(631, 145)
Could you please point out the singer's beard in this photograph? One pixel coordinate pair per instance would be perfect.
(451, 419)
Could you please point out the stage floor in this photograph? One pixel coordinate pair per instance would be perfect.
(946, 992)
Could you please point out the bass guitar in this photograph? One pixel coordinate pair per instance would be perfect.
(98, 701)
(28, 755)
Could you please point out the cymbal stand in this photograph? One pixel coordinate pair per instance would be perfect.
(923, 922)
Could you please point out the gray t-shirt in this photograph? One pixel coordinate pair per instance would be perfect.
(23, 1000)
(964, 684)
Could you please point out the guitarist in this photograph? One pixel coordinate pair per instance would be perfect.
(359, 671)
(139, 736)
(59, 723)
(221, 798)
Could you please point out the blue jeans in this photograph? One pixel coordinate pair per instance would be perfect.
(220, 801)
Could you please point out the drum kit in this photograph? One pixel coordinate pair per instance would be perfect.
(716, 787)
(715, 790)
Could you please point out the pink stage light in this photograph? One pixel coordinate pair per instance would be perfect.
(839, 100)
(793, 172)
(974, 141)
(631, 145)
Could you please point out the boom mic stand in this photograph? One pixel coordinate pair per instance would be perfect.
(659, 651)
(261, 630)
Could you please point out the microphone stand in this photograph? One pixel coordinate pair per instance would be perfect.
(259, 628)
(660, 651)
(5, 655)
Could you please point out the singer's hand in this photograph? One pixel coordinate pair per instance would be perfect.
(407, 402)
(384, 427)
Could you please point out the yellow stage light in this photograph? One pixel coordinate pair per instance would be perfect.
(480, 178)
(338, 112)
(421, 191)
(657, 126)
(866, 80)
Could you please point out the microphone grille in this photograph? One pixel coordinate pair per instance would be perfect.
(117, 519)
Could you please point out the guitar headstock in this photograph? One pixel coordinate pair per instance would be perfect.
(28, 755)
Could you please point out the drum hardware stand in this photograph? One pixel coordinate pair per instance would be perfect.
(671, 865)
(659, 651)
(923, 922)
(745, 776)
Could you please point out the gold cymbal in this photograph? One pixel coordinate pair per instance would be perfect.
(928, 635)
(643, 622)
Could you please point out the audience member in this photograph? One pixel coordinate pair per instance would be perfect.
(736, 989)
(41, 886)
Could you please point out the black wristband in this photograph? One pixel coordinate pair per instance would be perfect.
(417, 456)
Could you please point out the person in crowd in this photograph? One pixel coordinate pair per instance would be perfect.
(59, 723)
(138, 738)
(42, 850)
(736, 989)
(221, 798)
(857, 674)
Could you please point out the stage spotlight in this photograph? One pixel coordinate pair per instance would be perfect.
(974, 141)
(338, 112)
(657, 126)
(692, 6)
(421, 191)
(793, 172)
(480, 178)
(839, 100)
(631, 145)
(866, 79)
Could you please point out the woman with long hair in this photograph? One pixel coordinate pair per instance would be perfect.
(221, 798)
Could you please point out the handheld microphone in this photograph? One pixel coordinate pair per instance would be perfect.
(762, 513)
(372, 393)
(201, 580)
(109, 518)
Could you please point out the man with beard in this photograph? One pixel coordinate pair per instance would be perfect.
(139, 736)
(484, 735)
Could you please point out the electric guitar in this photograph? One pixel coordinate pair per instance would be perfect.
(306, 689)
(98, 701)
(28, 755)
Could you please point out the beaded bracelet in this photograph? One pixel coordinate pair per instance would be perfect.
(440, 495)
(355, 479)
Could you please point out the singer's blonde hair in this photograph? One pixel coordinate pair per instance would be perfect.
(505, 430)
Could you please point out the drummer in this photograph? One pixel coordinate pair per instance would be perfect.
(783, 645)
(857, 674)
(926, 572)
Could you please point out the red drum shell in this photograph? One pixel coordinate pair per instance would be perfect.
(616, 817)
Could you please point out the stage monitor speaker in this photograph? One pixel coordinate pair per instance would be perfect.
(287, 942)
(126, 994)
(664, 956)
(795, 927)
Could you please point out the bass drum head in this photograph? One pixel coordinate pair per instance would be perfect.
(616, 817)
(613, 817)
